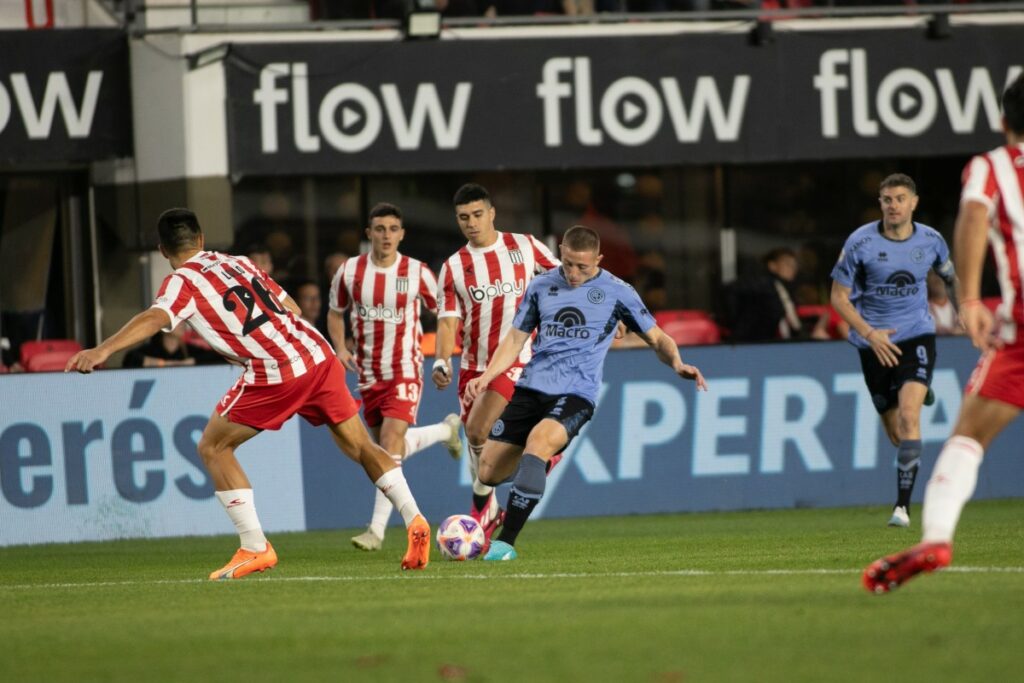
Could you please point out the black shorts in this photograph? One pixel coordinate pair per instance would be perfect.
(915, 365)
(528, 407)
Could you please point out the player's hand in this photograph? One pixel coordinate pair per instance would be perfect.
(346, 360)
(442, 374)
(887, 353)
(86, 361)
(474, 388)
(692, 372)
(980, 325)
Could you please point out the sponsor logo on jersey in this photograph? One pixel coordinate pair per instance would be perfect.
(917, 255)
(900, 283)
(379, 312)
(595, 295)
(496, 289)
(569, 322)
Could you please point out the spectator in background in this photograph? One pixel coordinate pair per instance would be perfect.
(164, 349)
(941, 307)
(762, 305)
(259, 254)
(307, 296)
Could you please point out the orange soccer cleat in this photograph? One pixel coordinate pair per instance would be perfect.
(418, 554)
(246, 562)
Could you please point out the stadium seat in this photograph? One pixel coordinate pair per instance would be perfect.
(49, 361)
(33, 348)
(693, 331)
(665, 317)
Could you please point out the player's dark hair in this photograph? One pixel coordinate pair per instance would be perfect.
(471, 192)
(385, 209)
(1013, 106)
(777, 253)
(898, 180)
(179, 230)
(582, 238)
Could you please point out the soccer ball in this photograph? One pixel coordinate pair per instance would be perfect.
(460, 537)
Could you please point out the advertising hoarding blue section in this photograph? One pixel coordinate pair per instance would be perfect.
(782, 426)
(112, 455)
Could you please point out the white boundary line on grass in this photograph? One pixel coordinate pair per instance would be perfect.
(484, 577)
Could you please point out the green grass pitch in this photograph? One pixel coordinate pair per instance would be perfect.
(752, 596)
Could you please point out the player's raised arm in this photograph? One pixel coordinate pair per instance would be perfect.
(668, 353)
(138, 329)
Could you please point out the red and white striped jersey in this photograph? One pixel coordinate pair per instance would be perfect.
(996, 179)
(385, 314)
(483, 286)
(237, 309)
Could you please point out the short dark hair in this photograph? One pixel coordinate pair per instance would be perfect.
(471, 192)
(1013, 105)
(385, 209)
(777, 253)
(582, 238)
(179, 230)
(898, 180)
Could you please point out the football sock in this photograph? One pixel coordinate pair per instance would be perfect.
(950, 487)
(393, 485)
(418, 438)
(474, 457)
(241, 509)
(526, 492)
(908, 461)
(382, 509)
(481, 491)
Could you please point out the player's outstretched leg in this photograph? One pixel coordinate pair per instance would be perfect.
(445, 432)
(889, 573)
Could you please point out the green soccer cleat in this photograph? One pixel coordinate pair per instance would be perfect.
(500, 550)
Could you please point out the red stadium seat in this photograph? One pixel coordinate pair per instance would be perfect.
(665, 317)
(49, 361)
(32, 348)
(694, 331)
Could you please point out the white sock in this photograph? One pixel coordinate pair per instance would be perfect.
(382, 508)
(241, 509)
(418, 438)
(950, 487)
(479, 489)
(393, 485)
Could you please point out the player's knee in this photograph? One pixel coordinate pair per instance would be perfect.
(477, 433)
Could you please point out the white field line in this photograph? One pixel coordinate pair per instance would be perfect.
(668, 573)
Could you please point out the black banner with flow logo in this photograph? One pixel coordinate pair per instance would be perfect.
(64, 96)
(636, 100)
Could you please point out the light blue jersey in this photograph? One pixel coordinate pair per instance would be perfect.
(887, 278)
(575, 328)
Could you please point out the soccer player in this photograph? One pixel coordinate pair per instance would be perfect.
(481, 285)
(385, 291)
(289, 369)
(991, 210)
(879, 287)
(575, 310)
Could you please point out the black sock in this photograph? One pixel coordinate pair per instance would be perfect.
(480, 501)
(908, 461)
(905, 485)
(527, 490)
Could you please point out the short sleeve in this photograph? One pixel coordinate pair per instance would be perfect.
(337, 298)
(176, 297)
(428, 288)
(528, 313)
(448, 303)
(631, 310)
(979, 183)
(846, 266)
(542, 255)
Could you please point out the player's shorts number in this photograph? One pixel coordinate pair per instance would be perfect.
(408, 391)
(514, 373)
(246, 297)
(922, 355)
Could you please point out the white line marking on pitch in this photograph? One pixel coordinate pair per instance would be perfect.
(523, 576)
